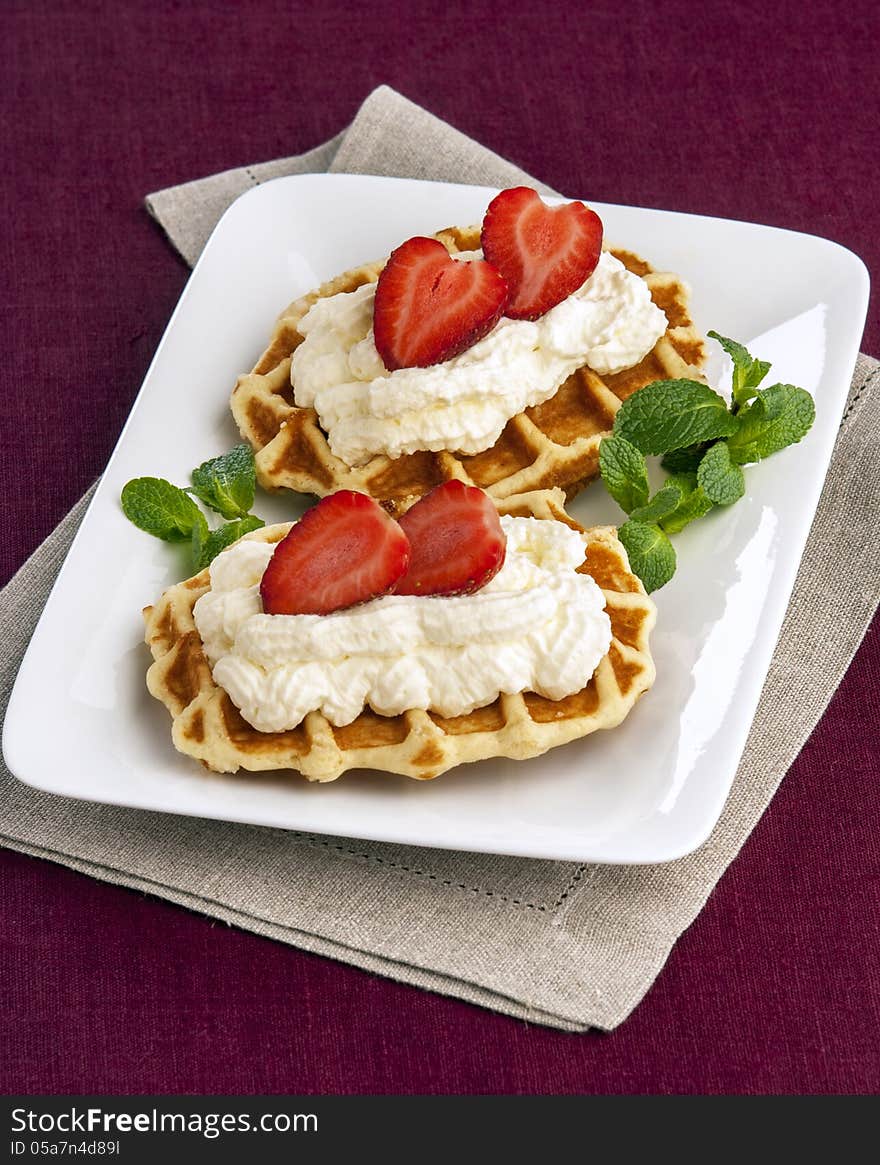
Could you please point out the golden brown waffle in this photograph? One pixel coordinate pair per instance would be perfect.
(208, 726)
(553, 444)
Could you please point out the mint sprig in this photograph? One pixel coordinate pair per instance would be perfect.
(694, 504)
(624, 472)
(664, 502)
(671, 414)
(160, 508)
(778, 416)
(747, 371)
(721, 479)
(685, 460)
(205, 551)
(224, 484)
(703, 443)
(651, 554)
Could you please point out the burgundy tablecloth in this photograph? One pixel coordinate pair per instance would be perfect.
(754, 111)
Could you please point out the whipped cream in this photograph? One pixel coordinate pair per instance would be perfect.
(537, 626)
(463, 404)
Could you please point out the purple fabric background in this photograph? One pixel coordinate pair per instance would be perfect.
(765, 112)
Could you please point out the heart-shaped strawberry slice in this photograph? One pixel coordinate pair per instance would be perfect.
(430, 307)
(342, 551)
(456, 541)
(544, 252)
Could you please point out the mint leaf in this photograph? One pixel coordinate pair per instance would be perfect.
(686, 482)
(199, 541)
(778, 416)
(226, 483)
(695, 505)
(204, 552)
(671, 414)
(624, 472)
(231, 532)
(683, 460)
(747, 371)
(651, 554)
(160, 508)
(721, 480)
(663, 502)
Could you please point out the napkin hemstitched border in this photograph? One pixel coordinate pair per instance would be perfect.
(544, 907)
(588, 959)
(605, 1009)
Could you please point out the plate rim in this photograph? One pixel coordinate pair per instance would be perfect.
(697, 835)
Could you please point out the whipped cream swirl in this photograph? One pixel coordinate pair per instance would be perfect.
(538, 626)
(463, 404)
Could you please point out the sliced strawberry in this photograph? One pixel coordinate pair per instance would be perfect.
(456, 542)
(544, 252)
(429, 306)
(343, 551)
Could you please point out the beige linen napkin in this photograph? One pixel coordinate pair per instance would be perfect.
(571, 946)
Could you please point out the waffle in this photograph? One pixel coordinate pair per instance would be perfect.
(554, 444)
(208, 726)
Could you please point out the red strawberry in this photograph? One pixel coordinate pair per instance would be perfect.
(544, 252)
(429, 307)
(456, 542)
(343, 551)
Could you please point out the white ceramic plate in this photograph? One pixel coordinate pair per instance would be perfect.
(648, 791)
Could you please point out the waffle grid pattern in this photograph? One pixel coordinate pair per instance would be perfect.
(554, 444)
(207, 726)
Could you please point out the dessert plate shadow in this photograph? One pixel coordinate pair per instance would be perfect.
(650, 790)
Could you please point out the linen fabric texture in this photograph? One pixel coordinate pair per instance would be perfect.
(572, 946)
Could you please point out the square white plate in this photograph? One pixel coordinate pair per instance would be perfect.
(648, 791)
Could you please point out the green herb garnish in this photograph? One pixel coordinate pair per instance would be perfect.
(624, 472)
(747, 371)
(160, 508)
(225, 484)
(672, 414)
(778, 416)
(650, 553)
(720, 478)
(206, 551)
(703, 443)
